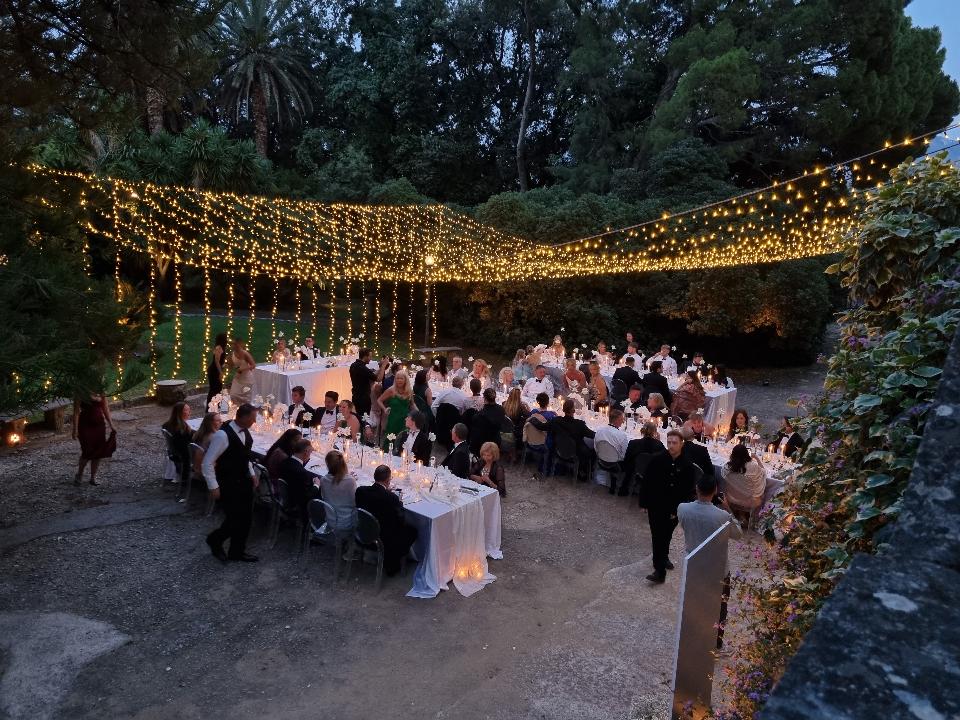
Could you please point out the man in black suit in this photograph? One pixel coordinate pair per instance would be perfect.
(421, 446)
(794, 439)
(397, 537)
(567, 424)
(697, 453)
(627, 375)
(308, 351)
(457, 460)
(647, 444)
(670, 479)
(635, 398)
(486, 424)
(230, 479)
(302, 484)
(299, 407)
(361, 380)
(655, 382)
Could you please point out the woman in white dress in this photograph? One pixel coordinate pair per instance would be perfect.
(281, 352)
(241, 361)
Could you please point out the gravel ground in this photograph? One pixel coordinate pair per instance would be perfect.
(568, 630)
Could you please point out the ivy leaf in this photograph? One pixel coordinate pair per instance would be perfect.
(878, 479)
(926, 371)
(869, 512)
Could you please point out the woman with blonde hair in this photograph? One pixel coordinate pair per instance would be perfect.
(487, 469)
(658, 408)
(481, 371)
(597, 385)
(241, 389)
(395, 404)
(506, 379)
(518, 411)
(558, 349)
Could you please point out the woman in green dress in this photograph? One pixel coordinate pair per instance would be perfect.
(398, 399)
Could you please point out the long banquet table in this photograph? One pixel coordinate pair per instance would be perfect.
(315, 377)
(456, 532)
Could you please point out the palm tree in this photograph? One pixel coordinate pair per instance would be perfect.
(262, 72)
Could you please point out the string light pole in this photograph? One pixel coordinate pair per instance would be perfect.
(428, 262)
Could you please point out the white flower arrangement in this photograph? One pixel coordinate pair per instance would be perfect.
(562, 329)
(699, 411)
(360, 336)
(246, 389)
(391, 437)
(436, 363)
(470, 359)
(583, 345)
(307, 417)
(431, 437)
(684, 356)
(673, 348)
(625, 403)
(366, 418)
(423, 357)
(343, 432)
(709, 366)
(280, 334)
(613, 347)
(341, 338)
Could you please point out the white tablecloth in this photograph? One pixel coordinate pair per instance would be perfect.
(453, 543)
(267, 380)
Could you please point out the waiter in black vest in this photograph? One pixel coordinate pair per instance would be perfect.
(230, 478)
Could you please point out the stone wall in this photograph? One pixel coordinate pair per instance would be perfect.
(887, 642)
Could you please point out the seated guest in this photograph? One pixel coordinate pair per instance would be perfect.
(438, 370)
(637, 356)
(667, 363)
(397, 537)
(518, 411)
(415, 439)
(280, 451)
(208, 426)
(538, 440)
(658, 408)
(787, 440)
(521, 370)
(457, 369)
(689, 397)
(739, 423)
(601, 354)
(539, 383)
(655, 382)
(349, 419)
(491, 409)
(299, 407)
(627, 374)
(629, 339)
(485, 426)
(328, 417)
(720, 377)
(597, 386)
(302, 484)
(576, 380)
(475, 400)
(505, 380)
(744, 481)
(487, 469)
(697, 364)
(697, 453)
(281, 352)
(696, 428)
(481, 372)
(558, 349)
(308, 351)
(339, 488)
(457, 460)
(612, 435)
(453, 395)
(180, 438)
(635, 402)
(567, 424)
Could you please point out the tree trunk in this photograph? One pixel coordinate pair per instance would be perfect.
(527, 100)
(154, 110)
(260, 129)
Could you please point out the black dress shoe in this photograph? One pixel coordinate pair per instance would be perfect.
(668, 565)
(246, 557)
(656, 577)
(217, 551)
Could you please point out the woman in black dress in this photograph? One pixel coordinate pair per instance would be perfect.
(215, 367)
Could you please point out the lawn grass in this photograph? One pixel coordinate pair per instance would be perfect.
(194, 352)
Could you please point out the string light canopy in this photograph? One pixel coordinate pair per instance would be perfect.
(318, 246)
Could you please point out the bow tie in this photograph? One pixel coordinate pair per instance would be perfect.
(328, 412)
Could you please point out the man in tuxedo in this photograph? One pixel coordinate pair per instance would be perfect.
(627, 374)
(485, 425)
(539, 383)
(361, 380)
(326, 418)
(302, 484)
(655, 382)
(634, 398)
(697, 362)
(298, 408)
(697, 453)
(668, 364)
(415, 439)
(567, 424)
(231, 479)
(457, 460)
(635, 354)
(669, 480)
(794, 439)
(397, 537)
(308, 351)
